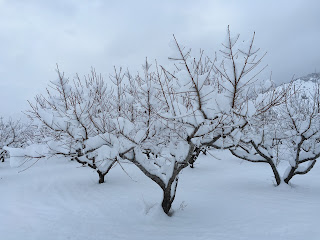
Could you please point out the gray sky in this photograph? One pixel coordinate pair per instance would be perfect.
(78, 34)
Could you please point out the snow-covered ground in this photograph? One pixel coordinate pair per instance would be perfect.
(219, 199)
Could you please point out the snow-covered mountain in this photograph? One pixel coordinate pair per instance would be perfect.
(306, 85)
(313, 77)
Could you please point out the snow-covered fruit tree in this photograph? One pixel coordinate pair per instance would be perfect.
(71, 113)
(13, 134)
(289, 132)
(237, 94)
(172, 115)
(202, 103)
(260, 139)
(300, 127)
(258, 144)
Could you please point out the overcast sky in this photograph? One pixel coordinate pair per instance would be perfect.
(37, 34)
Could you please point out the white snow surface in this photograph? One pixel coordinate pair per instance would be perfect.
(218, 199)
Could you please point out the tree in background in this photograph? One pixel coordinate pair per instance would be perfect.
(300, 127)
(13, 134)
(73, 112)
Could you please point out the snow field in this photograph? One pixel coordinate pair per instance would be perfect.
(219, 199)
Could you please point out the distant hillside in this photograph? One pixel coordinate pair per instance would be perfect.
(306, 85)
(314, 77)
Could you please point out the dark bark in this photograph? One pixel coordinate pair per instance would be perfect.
(275, 172)
(103, 174)
(194, 157)
(293, 172)
(293, 168)
(169, 189)
(265, 159)
(166, 201)
(101, 177)
(169, 196)
(2, 155)
(270, 162)
(290, 175)
(94, 166)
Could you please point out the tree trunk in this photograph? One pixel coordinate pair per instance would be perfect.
(169, 195)
(167, 201)
(194, 157)
(275, 172)
(103, 174)
(101, 177)
(290, 175)
(2, 154)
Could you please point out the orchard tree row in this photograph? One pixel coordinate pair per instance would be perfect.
(162, 118)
